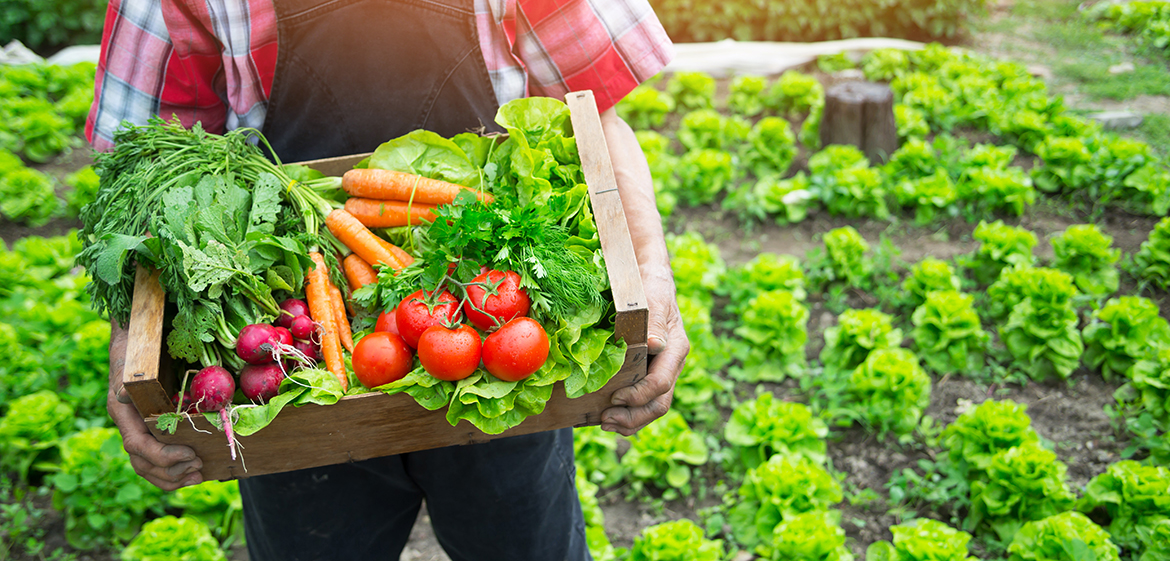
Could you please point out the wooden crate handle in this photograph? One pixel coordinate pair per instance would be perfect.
(629, 297)
(144, 345)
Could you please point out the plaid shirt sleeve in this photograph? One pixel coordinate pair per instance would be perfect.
(207, 61)
(553, 47)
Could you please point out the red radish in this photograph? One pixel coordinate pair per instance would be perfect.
(261, 382)
(257, 341)
(310, 349)
(291, 309)
(188, 403)
(212, 389)
(302, 327)
(286, 337)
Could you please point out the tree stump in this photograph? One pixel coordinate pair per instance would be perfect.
(861, 114)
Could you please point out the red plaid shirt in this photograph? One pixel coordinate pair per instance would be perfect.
(213, 60)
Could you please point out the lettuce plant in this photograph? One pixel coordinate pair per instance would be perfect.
(795, 94)
(1000, 246)
(1146, 190)
(774, 324)
(174, 538)
(705, 173)
(662, 453)
(1068, 536)
(911, 123)
(915, 159)
(982, 432)
(764, 427)
(83, 185)
(700, 381)
(1149, 386)
(811, 536)
(928, 275)
(1066, 164)
(922, 540)
(1014, 284)
(707, 128)
(215, 503)
(697, 265)
(989, 156)
(103, 500)
(928, 196)
(856, 335)
(766, 271)
(595, 453)
(692, 90)
(845, 249)
(1122, 332)
(746, 95)
(835, 63)
(778, 490)
(787, 200)
(27, 196)
(1152, 261)
(1023, 484)
(1041, 330)
(885, 64)
(681, 540)
(1136, 498)
(595, 539)
(947, 333)
(662, 163)
(987, 190)
(770, 148)
(31, 431)
(841, 176)
(1084, 252)
(810, 128)
(890, 391)
(645, 107)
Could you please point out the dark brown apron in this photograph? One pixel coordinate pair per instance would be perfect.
(352, 74)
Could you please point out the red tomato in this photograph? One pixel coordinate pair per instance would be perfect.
(380, 358)
(388, 322)
(505, 302)
(516, 350)
(414, 315)
(449, 354)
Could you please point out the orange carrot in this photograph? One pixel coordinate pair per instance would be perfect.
(403, 257)
(343, 330)
(400, 186)
(317, 292)
(360, 239)
(376, 213)
(358, 272)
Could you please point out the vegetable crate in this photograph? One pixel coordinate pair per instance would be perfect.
(374, 424)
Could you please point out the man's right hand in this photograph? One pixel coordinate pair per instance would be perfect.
(167, 466)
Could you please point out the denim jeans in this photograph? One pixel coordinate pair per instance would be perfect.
(511, 499)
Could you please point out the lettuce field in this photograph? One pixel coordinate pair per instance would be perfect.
(961, 352)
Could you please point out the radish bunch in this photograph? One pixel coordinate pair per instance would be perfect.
(263, 347)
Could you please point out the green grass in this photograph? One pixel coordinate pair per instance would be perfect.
(1096, 81)
(1155, 131)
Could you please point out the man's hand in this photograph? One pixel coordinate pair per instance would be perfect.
(168, 466)
(638, 405)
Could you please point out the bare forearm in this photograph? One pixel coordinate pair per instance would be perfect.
(637, 191)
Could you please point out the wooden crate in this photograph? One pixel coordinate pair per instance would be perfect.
(375, 424)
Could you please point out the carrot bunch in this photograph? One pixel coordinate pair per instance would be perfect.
(382, 198)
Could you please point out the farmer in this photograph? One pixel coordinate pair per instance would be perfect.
(330, 77)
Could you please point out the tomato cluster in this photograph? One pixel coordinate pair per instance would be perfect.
(515, 347)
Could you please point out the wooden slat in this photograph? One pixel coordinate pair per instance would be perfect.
(628, 295)
(141, 374)
(374, 425)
